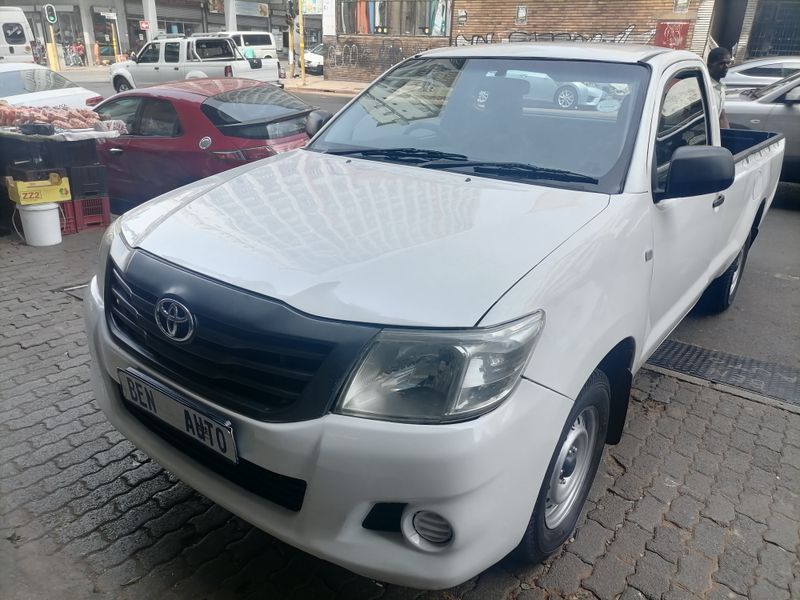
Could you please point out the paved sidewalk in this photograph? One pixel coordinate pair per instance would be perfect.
(700, 500)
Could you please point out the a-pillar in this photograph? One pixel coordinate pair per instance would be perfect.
(230, 15)
(149, 10)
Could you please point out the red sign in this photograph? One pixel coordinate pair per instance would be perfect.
(144, 25)
(672, 34)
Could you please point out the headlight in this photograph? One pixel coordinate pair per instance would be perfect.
(440, 376)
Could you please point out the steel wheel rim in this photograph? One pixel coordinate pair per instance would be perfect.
(736, 273)
(571, 468)
(566, 98)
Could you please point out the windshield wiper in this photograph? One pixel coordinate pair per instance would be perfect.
(413, 155)
(513, 169)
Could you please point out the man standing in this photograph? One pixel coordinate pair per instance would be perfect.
(719, 59)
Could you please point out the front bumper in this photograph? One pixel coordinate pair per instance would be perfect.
(483, 476)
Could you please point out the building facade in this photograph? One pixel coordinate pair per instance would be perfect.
(365, 37)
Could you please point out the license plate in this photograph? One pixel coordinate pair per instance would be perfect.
(215, 432)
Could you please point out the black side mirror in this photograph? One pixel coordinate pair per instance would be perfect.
(316, 120)
(698, 170)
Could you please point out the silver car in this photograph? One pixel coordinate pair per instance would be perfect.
(775, 107)
(761, 71)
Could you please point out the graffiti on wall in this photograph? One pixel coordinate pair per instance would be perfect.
(350, 53)
(627, 35)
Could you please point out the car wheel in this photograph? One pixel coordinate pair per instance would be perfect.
(719, 295)
(566, 97)
(570, 474)
(121, 84)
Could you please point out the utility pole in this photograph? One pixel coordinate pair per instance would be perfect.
(302, 41)
(290, 22)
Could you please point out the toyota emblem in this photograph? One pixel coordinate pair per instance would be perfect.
(174, 320)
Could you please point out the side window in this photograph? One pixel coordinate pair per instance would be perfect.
(149, 54)
(211, 49)
(159, 119)
(14, 33)
(683, 122)
(773, 70)
(123, 110)
(172, 52)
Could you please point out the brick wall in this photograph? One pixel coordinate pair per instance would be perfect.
(364, 57)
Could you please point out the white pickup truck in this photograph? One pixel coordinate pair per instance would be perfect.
(404, 347)
(178, 58)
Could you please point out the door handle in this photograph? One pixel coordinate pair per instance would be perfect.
(116, 150)
(155, 68)
(718, 201)
(176, 68)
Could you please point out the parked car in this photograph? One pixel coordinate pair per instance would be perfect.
(761, 71)
(315, 59)
(572, 94)
(262, 43)
(180, 132)
(173, 58)
(16, 41)
(29, 84)
(775, 107)
(404, 347)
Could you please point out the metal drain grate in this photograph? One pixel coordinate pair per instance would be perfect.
(765, 378)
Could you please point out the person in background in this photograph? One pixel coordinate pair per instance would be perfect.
(719, 60)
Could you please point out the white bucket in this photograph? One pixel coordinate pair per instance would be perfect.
(40, 224)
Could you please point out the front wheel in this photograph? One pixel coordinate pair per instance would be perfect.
(121, 84)
(570, 473)
(566, 97)
(720, 293)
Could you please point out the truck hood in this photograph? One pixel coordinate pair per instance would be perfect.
(360, 240)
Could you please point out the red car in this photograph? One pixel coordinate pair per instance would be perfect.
(180, 132)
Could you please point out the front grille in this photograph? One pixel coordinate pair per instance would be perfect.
(250, 354)
(285, 491)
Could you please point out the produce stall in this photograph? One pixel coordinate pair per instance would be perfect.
(49, 169)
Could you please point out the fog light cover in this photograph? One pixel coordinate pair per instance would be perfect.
(432, 527)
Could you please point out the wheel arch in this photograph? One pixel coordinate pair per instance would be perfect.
(122, 75)
(617, 366)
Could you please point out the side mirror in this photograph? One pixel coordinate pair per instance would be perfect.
(698, 170)
(316, 120)
(133, 56)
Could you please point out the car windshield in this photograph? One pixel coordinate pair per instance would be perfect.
(768, 89)
(528, 120)
(26, 81)
(318, 49)
(257, 112)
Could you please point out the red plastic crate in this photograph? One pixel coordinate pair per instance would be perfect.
(92, 213)
(66, 213)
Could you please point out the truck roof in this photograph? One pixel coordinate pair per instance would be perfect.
(622, 53)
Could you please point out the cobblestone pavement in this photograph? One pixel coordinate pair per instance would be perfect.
(700, 500)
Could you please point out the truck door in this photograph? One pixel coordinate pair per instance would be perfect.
(172, 68)
(147, 69)
(687, 232)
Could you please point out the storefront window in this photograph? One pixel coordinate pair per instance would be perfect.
(106, 37)
(395, 17)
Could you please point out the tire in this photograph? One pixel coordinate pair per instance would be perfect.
(566, 97)
(720, 293)
(121, 84)
(578, 451)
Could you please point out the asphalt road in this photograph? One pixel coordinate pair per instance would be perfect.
(764, 322)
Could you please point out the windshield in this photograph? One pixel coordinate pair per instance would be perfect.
(27, 81)
(498, 117)
(768, 89)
